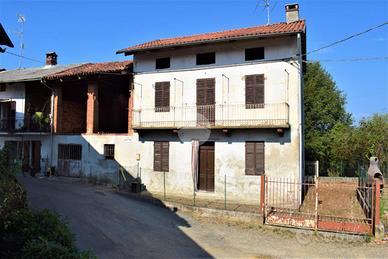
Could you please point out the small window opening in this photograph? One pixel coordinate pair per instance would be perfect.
(109, 151)
(162, 63)
(206, 58)
(3, 88)
(254, 54)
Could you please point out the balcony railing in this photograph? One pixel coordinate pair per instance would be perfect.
(12, 124)
(269, 115)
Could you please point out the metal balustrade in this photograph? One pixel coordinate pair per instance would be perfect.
(269, 115)
(12, 124)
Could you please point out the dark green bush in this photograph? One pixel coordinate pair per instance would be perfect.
(38, 235)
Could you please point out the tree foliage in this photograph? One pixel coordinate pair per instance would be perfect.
(330, 137)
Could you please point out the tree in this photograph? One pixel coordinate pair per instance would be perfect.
(324, 106)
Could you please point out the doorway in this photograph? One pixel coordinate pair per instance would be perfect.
(206, 167)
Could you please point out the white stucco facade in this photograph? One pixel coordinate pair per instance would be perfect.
(282, 85)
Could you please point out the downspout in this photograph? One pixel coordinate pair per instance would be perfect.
(301, 111)
(51, 122)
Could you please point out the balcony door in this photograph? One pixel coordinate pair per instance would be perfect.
(206, 100)
(7, 115)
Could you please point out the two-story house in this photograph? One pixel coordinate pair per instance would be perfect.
(217, 110)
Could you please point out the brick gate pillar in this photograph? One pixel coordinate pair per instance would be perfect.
(58, 109)
(92, 108)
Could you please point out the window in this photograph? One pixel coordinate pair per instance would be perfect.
(109, 151)
(162, 97)
(254, 91)
(206, 58)
(3, 87)
(254, 158)
(162, 63)
(69, 151)
(161, 156)
(254, 54)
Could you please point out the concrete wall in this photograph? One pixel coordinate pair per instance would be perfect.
(16, 92)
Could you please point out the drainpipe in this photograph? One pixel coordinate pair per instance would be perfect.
(52, 122)
(301, 111)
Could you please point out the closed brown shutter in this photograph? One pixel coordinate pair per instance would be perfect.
(254, 91)
(254, 158)
(165, 156)
(161, 156)
(250, 158)
(162, 96)
(157, 156)
(206, 91)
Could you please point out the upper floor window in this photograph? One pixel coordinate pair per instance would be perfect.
(254, 91)
(162, 63)
(162, 97)
(254, 54)
(3, 87)
(206, 58)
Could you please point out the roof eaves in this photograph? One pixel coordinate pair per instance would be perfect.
(200, 42)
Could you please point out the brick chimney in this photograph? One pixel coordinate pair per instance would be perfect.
(51, 58)
(292, 13)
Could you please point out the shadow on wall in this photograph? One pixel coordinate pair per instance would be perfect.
(77, 156)
(120, 227)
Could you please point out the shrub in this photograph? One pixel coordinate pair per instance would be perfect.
(41, 234)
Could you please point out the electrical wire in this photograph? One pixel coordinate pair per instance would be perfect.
(27, 58)
(347, 38)
(347, 59)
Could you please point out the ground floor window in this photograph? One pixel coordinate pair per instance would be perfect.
(70, 151)
(109, 151)
(161, 156)
(254, 158)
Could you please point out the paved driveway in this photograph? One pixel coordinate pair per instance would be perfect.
(114, 226)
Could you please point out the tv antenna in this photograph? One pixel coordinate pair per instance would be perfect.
(21, 20)
(266, 6)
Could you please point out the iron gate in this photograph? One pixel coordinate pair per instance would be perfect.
(316, 203)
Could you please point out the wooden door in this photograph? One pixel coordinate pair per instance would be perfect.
(36, 145)
(206, 101)
(206, 167)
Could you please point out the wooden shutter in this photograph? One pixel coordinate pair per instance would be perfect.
(254, 91)
(165, 156)
(254, 158)
(201, 91)
(260, 158)
(250, 158)
(162, 96)
(157, 156)
(161, 156)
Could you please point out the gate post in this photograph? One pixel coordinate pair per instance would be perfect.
(262, 194)
(378, 227)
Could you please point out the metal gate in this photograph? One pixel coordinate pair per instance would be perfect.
(320, 204)
(69, 160)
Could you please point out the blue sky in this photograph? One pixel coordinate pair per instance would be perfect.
(91, 31)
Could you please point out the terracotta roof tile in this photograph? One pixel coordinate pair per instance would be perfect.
(266, 30)
(93, 69)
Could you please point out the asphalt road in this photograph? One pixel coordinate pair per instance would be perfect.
(116, 226)
(111, 225)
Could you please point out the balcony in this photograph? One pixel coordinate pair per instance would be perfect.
(269, 115)
(13, 125)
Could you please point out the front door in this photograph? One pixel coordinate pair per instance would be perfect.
(206, 167)
(206, 101)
